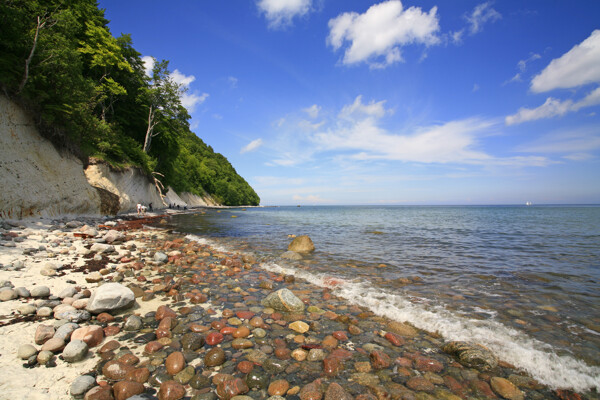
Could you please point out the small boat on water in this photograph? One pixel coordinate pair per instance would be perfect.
(528, 203)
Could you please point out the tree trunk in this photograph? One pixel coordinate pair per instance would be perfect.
(150, 130)
(39, 26)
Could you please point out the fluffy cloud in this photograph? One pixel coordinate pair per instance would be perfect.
(312, 111)
(188, 100)
(480, 15)
(253, 145)
(553, 108)
(577, 67)
(377, 35)
(280, 13)
(522, 67)
(182, 79)
(148, 64)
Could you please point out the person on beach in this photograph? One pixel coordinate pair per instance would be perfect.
(150, 207)
(143, 210)
(139, 208)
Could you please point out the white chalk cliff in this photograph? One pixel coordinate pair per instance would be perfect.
(37, 180)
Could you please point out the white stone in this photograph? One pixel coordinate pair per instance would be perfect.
(110, 296)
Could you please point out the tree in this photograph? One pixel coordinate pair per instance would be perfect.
(164, 102)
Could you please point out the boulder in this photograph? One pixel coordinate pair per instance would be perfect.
(302, 244)
(110, 296)
(283, 300)
(471, 355)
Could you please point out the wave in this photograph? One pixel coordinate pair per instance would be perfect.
(533, 356)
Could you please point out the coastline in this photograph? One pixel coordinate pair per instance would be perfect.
(346, 352)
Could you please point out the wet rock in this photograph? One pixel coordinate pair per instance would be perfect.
(256, 379)
(401, 329)
(82, 384)
(160, 257)
(200, 381)
(302, 244)
(506, 389)
(109, 297)
(379, 359)
(125, 389)
(192, 341)
(214, 338)
(230, 388)
(214, 357)
(99, 393)
(425, 364)
(163, 312)
(133, 323)
(299, 326)
(283, 300)
(471, 355)
(290, 255)
(75, 350)
(278, 387)
(175, 362)
(241, 344)
(185, 375)
(419, 383)
(336, 392)
(256, 356)
(311, 391)
(140, 375)
(171, 390)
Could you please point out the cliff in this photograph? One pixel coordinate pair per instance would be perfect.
(38, 180)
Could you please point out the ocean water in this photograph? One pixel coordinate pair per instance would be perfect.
(524, 281)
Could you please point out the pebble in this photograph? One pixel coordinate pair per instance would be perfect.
(278, 387)
(43, 333)
(506, 389)
(44, 357)
(214, 357)
(92, 335)
(27, 309)
(75, 350)
(171, 390)
(25, 351)
(40, 291)
(175, 362)
(8, 294)
(55, 345)
(82, 384)
(299, 326)
(126, 389)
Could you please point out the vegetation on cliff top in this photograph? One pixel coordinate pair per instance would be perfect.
(92, 95)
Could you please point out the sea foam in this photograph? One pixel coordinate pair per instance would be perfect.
(533, 356)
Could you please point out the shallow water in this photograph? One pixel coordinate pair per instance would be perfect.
(522, 280)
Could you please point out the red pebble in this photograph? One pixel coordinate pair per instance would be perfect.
(394, 339)
(340, 335)
(245, 367)
(214, 338)
(228, 330)
(244, 314)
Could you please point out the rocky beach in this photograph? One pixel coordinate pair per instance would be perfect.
(125, 308)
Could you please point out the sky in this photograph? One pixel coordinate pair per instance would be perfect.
(348, 102)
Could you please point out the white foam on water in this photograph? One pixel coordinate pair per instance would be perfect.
(510, 345)
(207, 242)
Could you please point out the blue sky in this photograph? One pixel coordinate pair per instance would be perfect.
(366, 102)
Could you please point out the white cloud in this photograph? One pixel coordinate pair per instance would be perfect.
(312, 111)
(480, 15)
(575, 143)
(191, 100)
(253, 145)
(233, 81)
(182, 79)
(577, 67)
(148, 64)
(553, 108)
(311, 198)
(376, 36)
(280, 13)
(373, 109)
(522, 67)
(475, 88)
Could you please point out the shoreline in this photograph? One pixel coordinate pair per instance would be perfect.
(344, 343)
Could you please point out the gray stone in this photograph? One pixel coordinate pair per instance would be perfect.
(8, 294)
(48, 272)
(23, 292)
(75, 351)
(44, 312)
(64, 331)
(160, 257)
(73, 224)
(82, 384)
(113, 236)
(25, 351)
(26, 309)
(102, 248)
(44, 356)
(40, 291)
(283, 300)
(69, 291)
(133, 323)
(88, 230)
(110, 296)
(73, 315)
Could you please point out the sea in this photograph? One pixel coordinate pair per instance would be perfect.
(522, 280)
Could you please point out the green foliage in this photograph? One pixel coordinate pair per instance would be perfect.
(91, 94)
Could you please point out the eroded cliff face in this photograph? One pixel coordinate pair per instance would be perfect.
(35, 180)
(38, 181)
(131, 185)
